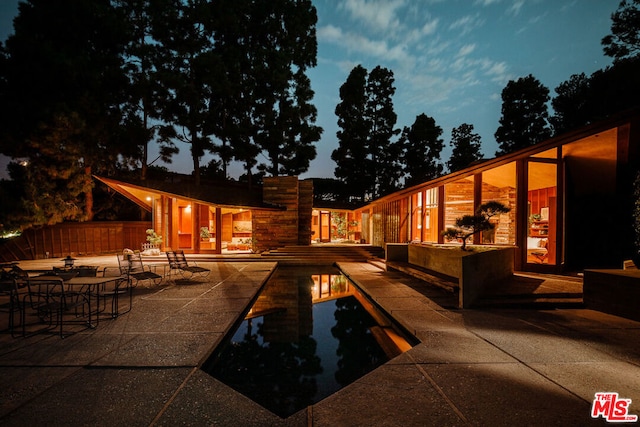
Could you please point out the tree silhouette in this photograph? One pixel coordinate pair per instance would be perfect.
(63, 92)
(383, 152)
(624, 40)
(524, 115)
(142, 106)
(367, 158)
(466, 147)
(583, 100)
(284, 48)
(352, 155)
(422, 146)
(571, 104)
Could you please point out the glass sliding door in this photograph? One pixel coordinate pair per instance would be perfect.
(542, 213)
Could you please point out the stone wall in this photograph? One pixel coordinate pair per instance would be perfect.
(292, 224)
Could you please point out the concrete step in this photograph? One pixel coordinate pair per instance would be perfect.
(325, 253)
(448, 283)
(537, 301)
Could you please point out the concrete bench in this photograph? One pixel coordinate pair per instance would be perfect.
(613, 291)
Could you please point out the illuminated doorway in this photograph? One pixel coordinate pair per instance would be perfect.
(542, 212)
(321, 226)
(236, 230)
(184, 223)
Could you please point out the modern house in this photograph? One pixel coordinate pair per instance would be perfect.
(569, 198)
(224, 217)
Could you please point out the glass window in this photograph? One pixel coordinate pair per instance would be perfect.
(416, 217)
(542, 201)
(236, 230)
(458, 200)
(499, 184)
(424, 216)
(207, 227)
(430, 220)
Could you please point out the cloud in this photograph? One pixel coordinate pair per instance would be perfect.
(429, 27)
(485, 3)
(358, 43)
(378, 14)
(431, 67)
(466, 49)
(515, 8)
(466, 24)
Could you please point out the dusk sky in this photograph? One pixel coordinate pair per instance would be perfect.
(450, 58)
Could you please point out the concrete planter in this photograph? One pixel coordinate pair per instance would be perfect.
(477, 269)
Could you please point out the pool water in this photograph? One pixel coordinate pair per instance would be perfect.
(305, 337)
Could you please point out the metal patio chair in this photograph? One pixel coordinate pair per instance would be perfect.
(116, 290)
(11, 289)
(178, 262)
(131, 265)
(48, 299)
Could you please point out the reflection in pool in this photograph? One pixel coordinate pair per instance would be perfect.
(305, 337)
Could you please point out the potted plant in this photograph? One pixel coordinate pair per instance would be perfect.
(205, 234)
(152, 247)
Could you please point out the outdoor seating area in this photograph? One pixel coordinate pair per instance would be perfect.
(61, 300)
(69, 298)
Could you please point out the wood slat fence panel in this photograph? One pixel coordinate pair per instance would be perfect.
(82, 238)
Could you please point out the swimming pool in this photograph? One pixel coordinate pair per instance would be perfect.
(306, 336)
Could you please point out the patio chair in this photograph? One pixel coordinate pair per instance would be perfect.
(131, 264)
(47, 298)
(10, 290)
(178, 262)
(115, 290)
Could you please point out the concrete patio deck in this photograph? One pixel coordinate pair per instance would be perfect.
(472, 367)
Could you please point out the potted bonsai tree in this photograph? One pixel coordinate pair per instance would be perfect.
(468, 225)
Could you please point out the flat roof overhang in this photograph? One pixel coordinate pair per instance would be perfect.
(229, 196)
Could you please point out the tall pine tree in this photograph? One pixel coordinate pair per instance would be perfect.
(64, 89)
(284, 47)
(352, 155)
(524, 115)
(367, 159)
(185, 75)
(422, 148)
(383, 152)
(466, 146)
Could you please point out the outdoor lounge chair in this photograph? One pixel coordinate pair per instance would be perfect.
(178, 262)
(131, 265)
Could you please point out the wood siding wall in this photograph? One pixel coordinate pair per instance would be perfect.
(305, 212)
(83, 238)
(290, 226)
(389, 223)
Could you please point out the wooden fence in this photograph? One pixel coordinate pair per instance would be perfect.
(84, 238)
